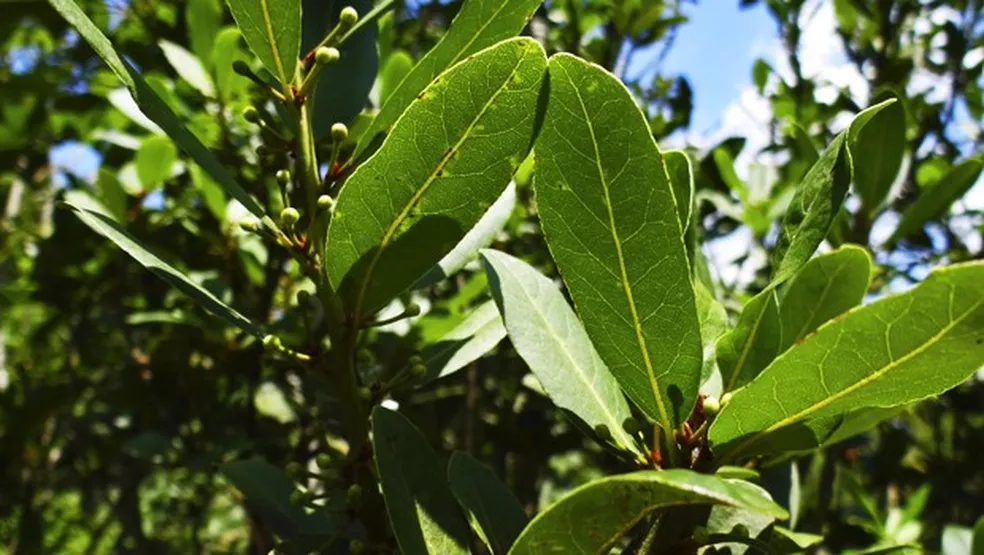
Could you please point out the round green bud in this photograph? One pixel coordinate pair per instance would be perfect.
(251, 225)
(357, 547)
(294, 469)
(711, 406)
(251, 114)
(348, 17)
(604, 434)
(725, 399)
(325, 202)
(415, 360)
(418, 370)
(271, 341)
(326, 55)
(365, 393)
(631, 426)
(323, 460)
(353, 496)
(339, 132)
(701, 536)
(283, 177)
(412, 309)
(262, 150)
(298, 497)
(241, 67)
(289, 216)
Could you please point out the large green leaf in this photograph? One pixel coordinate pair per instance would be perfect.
(483, 495)
(593, 517)
(877, 150)
(343, 87)
(272, 29)
(750, 346)
(152, 105)
(447, 160)
(111, 230)
(936, 199)
(476, 335)
(479, 25)
(609, 217)
(829, 285)
(421, 508)
(892, 352)
(546, 333)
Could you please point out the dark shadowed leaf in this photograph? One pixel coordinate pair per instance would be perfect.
(470, 340)
(747, 349)
(484, 495)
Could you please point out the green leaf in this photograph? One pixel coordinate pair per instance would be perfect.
(724, 519)
(395, 70)
(152, 105)
(111, 230)
(681, 174)
(760, 73)
(877, 150)
(713, 324)
(343, 86)
(421, 508)
(267, 491)
(272, 29)
(786, 541)
(478, 25)
(188, 67)
(227, 50)
(978, 543)
(594, 516)
(112, 194)
(957, 540)
(403, 209)
(892, 352)
(154, 160)
(937, 198)
(607, 210)
(743, 352)
(829, 285)
(859, 421)
(203, 19)
(546, 333)
(476, 335)
(482, 494)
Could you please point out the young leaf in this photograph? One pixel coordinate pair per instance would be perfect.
(608, 214)
(203, 19)
(478, 334)
(681, 174)
(829, 285)
(594, 516)
(421, 508)
(111, 230)
(482, 494)
(877, 151)
(188, 67)
(272, 29)
(891, 352)
(395, 70)
(546, 333)
(152, 105)
(479, 25)
(402, 210)
(743, 352)
(154, 160)
(936, 199)
(713, 323)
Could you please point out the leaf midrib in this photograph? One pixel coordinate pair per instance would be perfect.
(445, 160)
(626, 286)
(271, 38)
(854, 387)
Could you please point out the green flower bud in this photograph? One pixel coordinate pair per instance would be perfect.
(339, 132)
(725, 399)
(251, 114)
(711, 406)
(294, 469)
(418, 370)
(325, 202)
(241, 67)
(357, 547)
(298, 497)
(604, 434)
(631, 426)
(348, 17)
(701, 535)
(289, 216)
(283, 177)
(353, 497)
(251, 225)
(365, 393)
(326, 55)
(323, 460)
(415, 360)
(412, 309)
(271, 341)
(262, 150)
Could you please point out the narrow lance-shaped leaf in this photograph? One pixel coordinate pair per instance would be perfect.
(447, 160)
(476, 335)
(272, 29)
(482, 494)
(747, 349)
(892, 352)
(421, 508)
(152, 105)
(681, 174)
(189, 67)
(713, 323)
(877, 151)
(610, 220)
(547, 334)
(593, 517)
(479, 25)
(111, 230)
(936, 199)
(829, 285)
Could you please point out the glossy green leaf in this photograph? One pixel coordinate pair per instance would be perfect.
(421, 508)
(786, 541)
(681, 174)
(829, 285)
(188, 67)
(479, 25)
(112, 194)
(547, 334)
(877, 150)
(937, 198)
(892, 352)
(406, 207)
(608, 214)
(470, 340)
(267, 490)
(483, 494)
(860, 421)
(713, 324)
(111, 230)
(343, 87)
(743, 352)
(594, 516)
(730, 519)
(227, 50)
(154, 160)
(395, 70)
(203, 19)
(152, 105)
(272, 29)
